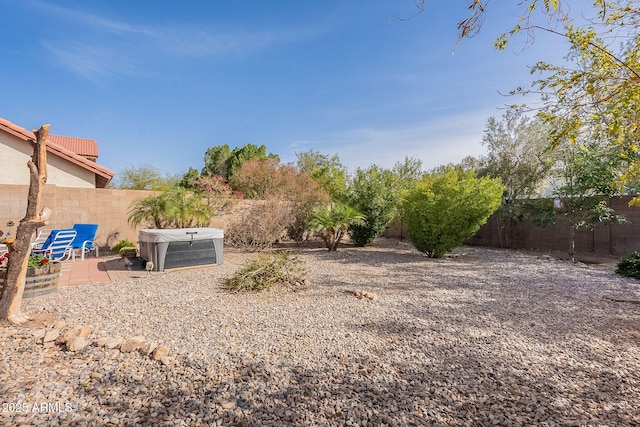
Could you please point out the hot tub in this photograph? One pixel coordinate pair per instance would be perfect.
(181, 247)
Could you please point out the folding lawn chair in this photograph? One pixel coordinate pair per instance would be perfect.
(57, 247)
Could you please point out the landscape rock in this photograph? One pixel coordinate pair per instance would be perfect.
(76, 331)
(102, 341)
(132, 344)
(160, 352)
(166, 360)
(76, 343)
(51, 335)
(39, 334)
(478, 339)
(113, 343)
(148, 347)
(228, 405)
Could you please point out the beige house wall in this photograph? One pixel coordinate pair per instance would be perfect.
(106, 207)
(14, 155)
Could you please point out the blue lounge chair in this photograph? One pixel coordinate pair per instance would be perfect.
(85, 239)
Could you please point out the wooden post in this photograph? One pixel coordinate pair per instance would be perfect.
(20, 248)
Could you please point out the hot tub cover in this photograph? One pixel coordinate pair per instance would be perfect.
(179, 234)
(181, 247)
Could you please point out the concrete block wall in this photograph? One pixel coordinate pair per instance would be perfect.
(605, 239)
(106, 207)
(109, 208)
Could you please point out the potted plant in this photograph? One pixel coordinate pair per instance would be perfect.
(42, 275)
(126, 249)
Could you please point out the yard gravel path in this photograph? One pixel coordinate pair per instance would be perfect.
(482, 337)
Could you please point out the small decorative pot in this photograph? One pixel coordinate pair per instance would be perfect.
(128, 252)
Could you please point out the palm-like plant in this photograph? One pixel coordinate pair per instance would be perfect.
(186, 209)
(148, 210)
(332, 223)
(175, 208)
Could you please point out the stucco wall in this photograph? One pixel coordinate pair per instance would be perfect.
(14, 155)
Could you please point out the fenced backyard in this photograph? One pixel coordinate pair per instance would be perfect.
(109, 208)
(482, 337)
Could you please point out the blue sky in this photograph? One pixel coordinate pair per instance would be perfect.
(160, 82)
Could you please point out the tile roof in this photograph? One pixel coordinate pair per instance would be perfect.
(103, 175)
(81, 146)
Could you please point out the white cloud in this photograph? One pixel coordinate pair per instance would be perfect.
(95, 47)
(435, 142)
(94, 63)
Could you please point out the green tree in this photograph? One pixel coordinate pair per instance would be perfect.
(189, 179)
(586, 177)
(373, 193)
(408, 171)
(596, 95)
(518, 154)
(187, 209)
(407, 174)
(333, 222)
(446, 208)
(149, 211)
(221, 160)
(470, 25)
(598, 90)
(143, 177)
(327, 171)
(215, 161)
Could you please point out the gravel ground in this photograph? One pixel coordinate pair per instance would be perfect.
(482, 337)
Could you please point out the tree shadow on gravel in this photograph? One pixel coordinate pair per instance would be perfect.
(444, 390)
(430, 384)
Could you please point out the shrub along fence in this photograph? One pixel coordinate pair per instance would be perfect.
(605, 239)
(109, 209)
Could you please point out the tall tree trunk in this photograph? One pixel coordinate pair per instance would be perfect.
(20, 248)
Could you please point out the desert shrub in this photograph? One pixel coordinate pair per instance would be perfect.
(259, 226)
(305, 195)
(218, 193)
(122, 244)
(258, 179)
(447, 207)
(263, 179)
(630, 266)
(267, 271)
(372, 192)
